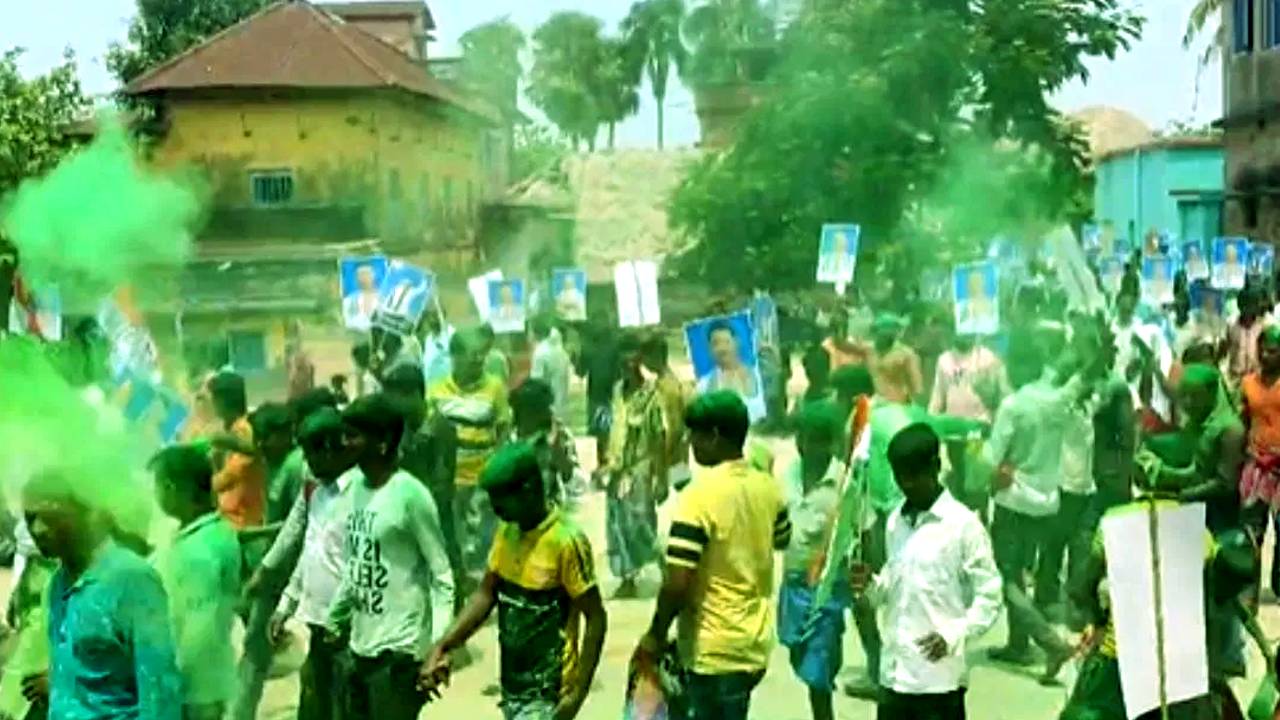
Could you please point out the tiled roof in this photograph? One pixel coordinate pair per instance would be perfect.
(295, 44)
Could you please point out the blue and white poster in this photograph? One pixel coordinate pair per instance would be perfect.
(1157, 280)
(975, 289)
(1111, 273)
(506, 306)
(569, 289)
(403, 297)
(838, 253)
(359, 282)
(764, 318)
(1229, 262)
(1262, 260)
(1205, 299)
(1091, 236)
(1194, 262)
(635, 285)
(722, 350)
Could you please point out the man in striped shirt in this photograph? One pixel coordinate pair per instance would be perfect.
(720, 566)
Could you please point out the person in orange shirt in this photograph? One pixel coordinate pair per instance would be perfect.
(894, 366)
(1260, 479)
(240, 478)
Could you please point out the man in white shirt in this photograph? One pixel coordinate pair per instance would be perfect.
(938, 591)
(1026, 448)
(396, 598)
(316, 527)
(551, 363)
(1133, 339)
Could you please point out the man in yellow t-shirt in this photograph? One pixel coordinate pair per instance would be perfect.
(720, 566)
(475, 403)
(541, 577)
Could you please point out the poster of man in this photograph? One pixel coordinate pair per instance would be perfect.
(1205, 299)
(403, 297)
(1157, 281)
(1111, 272)
(838, 253)
(1230, 258)
(975, 290)
(1193, 261)
(722, 350)
(506, 306)
(1091, 236)
(570, 288)
(359, 279)
(1262, 259)
(635, 283)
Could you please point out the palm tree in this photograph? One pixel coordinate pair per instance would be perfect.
(616, 80)
(1205, 12)
(653, 29)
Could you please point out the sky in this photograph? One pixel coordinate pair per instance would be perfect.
(1155, 80)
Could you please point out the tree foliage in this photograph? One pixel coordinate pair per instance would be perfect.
(581, 79)
(875, 108)
(538, 150)
(165, 28)
(721, 35)
(652, 28)
(34, 116)
(491, 61)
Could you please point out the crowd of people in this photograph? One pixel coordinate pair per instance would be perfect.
(392, 521)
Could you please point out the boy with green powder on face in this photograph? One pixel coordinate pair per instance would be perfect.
(541, 578)
(201, 572)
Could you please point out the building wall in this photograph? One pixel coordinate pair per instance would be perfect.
(408, 161)
(1133, 189)
(1251, 101)
(407, 35)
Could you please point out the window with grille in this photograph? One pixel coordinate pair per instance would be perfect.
(1242, 25)
(272, 188)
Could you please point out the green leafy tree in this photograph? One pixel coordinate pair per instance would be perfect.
(872, 108)
(491, 61)
(725, 38)
(538, 150)
(653, 28)
(165, 28)
(564, 82)
(616, 83)
(1205, 14)
(34, 117)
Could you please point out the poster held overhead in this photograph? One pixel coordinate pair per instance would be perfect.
(636, 285)
(1155, 572)
(838, 253)
(1111, 271)
(403, 297)
(723, 352)
(976, 291)
(1229, 263)
(359, 284)
(569, 290)
(1262, 260)
(1194, 262)
(764, 318)
(1073, 271)
(478, 286)
(506, 303)
(1157, 280)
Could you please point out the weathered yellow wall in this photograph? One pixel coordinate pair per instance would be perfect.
(347, 149)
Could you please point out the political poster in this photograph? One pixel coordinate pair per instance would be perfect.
(975, 291)
(406, 289)
(1205, 299)
(635, 284)
(723, 353)
(1155, 583)
(569, 292)
(478, 287)
(1111, 273)
(838, 253)
(764, 318)
(506, 306)
(1229, 263)
(1157, 280)
(360, 285)
(1194, 261)
(1262, 260)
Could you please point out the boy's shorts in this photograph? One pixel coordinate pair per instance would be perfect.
(816, 655)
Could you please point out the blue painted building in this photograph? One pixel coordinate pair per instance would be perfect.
(1172, 184)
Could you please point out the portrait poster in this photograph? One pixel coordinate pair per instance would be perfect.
(1136, 590)
(1157, 280)
(569, 291)
(406, 290)
(1091, 236)
(975, 290)
(1205, 299)
(723, 353)
(1194, 261)
(506, 306)
(764, 318)
(478, 287)
(1229, 263)
(635, 283)
(359, 284)
(1262, 260)
(838, 253)
(1111, 273)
